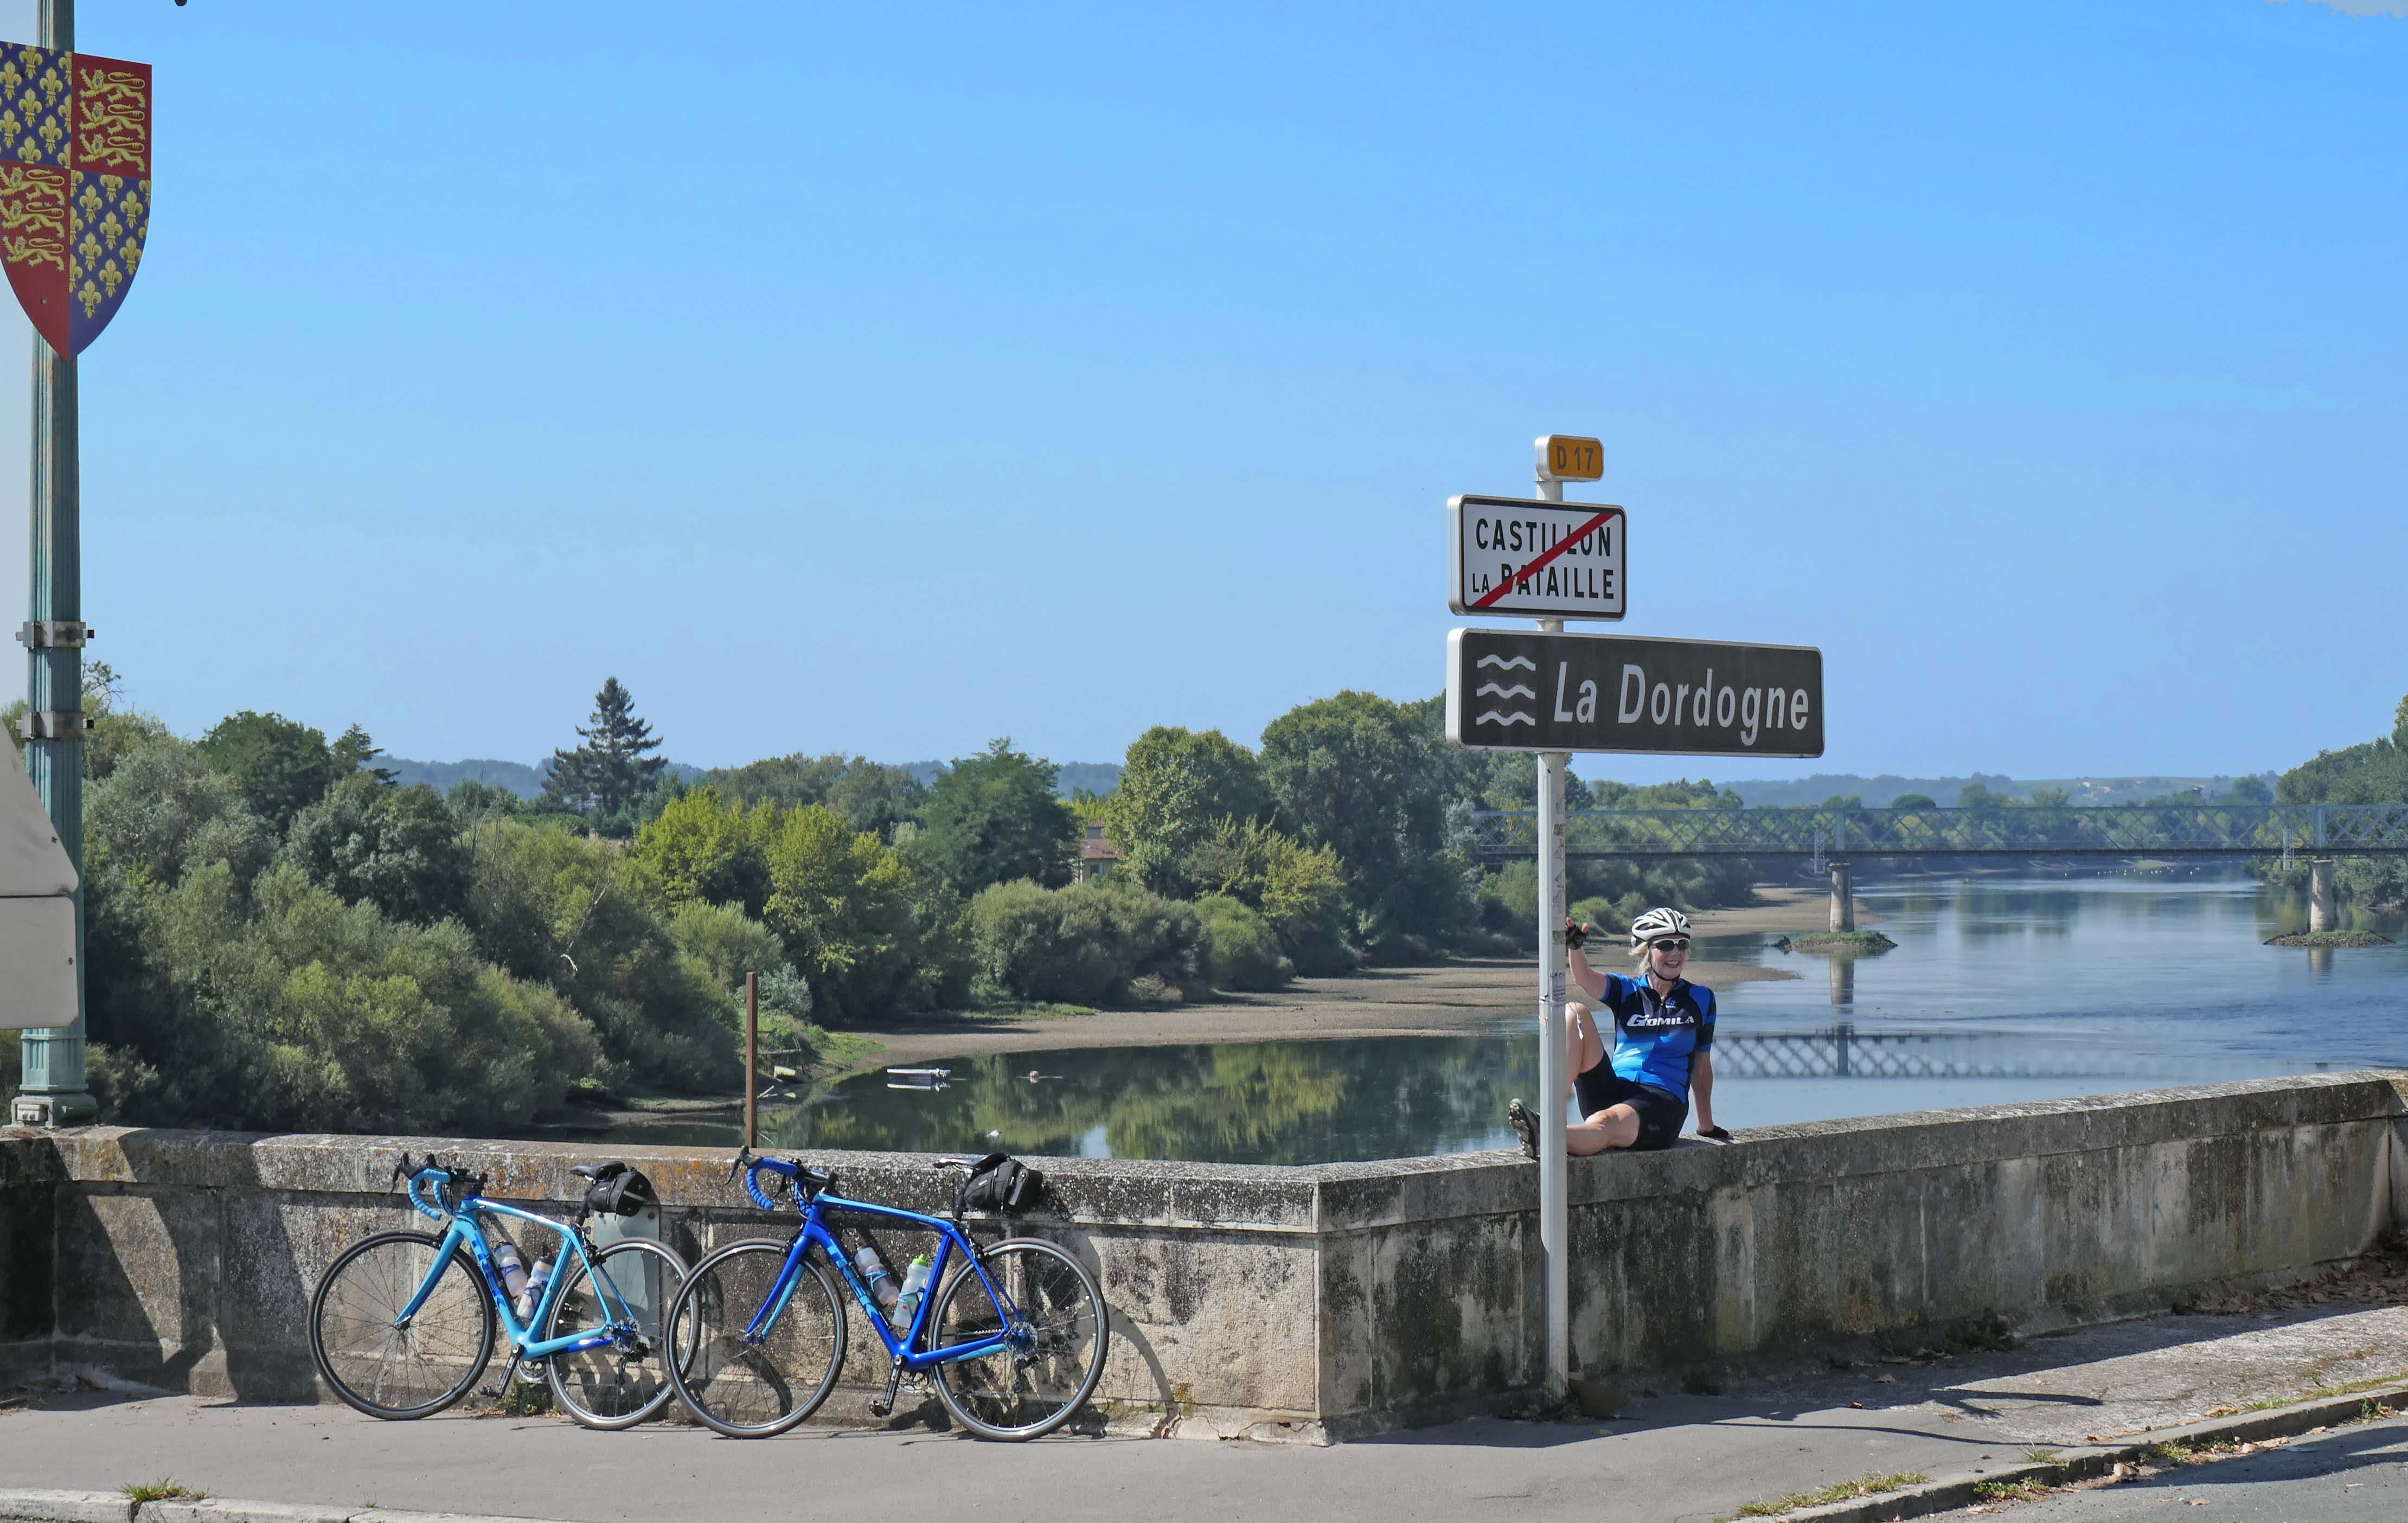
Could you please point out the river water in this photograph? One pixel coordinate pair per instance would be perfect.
(1998, 989)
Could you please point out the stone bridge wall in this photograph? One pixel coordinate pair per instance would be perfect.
(1330, 1300)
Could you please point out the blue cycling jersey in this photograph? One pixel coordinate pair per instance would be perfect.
(1655, 1037)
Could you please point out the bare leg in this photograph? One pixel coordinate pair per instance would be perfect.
(1585, 1048)
(1616, 1126)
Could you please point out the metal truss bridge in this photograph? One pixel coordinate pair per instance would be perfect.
(1844, 1052)
(2320, 830)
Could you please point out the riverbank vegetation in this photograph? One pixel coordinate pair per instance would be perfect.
(2372, 773)
(279, 937)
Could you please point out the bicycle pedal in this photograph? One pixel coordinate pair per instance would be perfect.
(884, 1405)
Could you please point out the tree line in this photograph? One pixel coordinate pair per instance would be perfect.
(2371, 773)
(280, 938)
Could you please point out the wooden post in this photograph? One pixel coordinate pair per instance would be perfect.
(752, 1060)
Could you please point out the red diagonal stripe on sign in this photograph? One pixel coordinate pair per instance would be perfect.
(1541, 564)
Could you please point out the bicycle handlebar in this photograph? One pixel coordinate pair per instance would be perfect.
(442, 1177)
(804, 1182)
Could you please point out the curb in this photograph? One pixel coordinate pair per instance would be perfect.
(2084, 1462)
(23, 1506)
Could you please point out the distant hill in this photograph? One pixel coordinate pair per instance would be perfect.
(518, 777)
(527, 782)
(1096, 777)
(1877, 792)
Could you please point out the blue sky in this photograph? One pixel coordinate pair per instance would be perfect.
(848, 379)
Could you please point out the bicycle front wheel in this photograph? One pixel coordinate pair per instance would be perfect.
(754, 1387)
(619, 1383)
(380, 1364)
(1053, 1332)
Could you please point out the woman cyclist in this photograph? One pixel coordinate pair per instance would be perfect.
(1663, 1046)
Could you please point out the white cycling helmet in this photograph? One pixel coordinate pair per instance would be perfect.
(1657, 925)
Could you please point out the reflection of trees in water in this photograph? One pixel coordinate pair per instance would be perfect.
(1241, 1103)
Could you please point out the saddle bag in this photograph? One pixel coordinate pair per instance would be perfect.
(1000, 1183)
(618, 1190)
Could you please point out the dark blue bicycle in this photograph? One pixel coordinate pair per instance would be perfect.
(1012, 1335)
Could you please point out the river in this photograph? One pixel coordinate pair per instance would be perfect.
(2000, 989)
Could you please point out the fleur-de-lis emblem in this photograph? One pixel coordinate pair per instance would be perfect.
(90, 297)
(90, 201)
(30, 104)
(29, 151)
(110, 278)
(130, 252)
(110, 228)
(52, 83)
(112, 183)
(51, 133)
(10, 80)
(133, 209)
(9, 125)
(90, 248)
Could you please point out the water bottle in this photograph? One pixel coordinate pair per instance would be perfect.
(514, 1269)
(915, 1284)
(875, 1274)
(533, 1296)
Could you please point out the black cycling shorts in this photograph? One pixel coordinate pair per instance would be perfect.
(1661, 1113)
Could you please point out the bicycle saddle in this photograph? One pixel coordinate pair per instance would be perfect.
(587, 1170)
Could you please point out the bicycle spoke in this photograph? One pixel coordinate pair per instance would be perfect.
(749, 1388)
(1052, 1324)
(376, 1362)
(622, 1382)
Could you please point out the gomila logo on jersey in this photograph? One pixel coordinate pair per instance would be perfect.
(74, 186)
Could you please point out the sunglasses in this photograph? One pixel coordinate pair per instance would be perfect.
(1671, 944)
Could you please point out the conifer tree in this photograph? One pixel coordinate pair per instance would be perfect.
(353, 751)
(610, 771)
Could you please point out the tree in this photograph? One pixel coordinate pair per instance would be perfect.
(353, 752)
(1358, 774)
(871, 796)
(1914, 800)
(610, 771)
(704, 849)
(995, 817)
(398, 849)
(842, 900)
(1176, 787)
(281, 767)
(1301, 892)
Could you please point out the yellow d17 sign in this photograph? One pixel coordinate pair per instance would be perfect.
(1570, 457)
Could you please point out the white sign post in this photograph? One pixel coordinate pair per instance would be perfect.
(1554, 1084)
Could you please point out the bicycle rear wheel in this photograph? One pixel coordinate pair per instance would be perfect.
(373, 1360)
(618, 1384)
(754, 1388)
(1053, 1340)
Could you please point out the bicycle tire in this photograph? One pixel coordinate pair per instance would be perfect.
(755, 1391)
(1043, 1383)
(615, 1386)
(363, 1293)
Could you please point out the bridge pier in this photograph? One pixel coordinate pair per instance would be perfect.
(2323, 912)
(1843, 897)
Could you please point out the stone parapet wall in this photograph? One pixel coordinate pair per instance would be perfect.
(1318, 1301)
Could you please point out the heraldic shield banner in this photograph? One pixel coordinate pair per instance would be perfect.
(74, 186)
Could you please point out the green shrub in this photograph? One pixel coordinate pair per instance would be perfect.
(1245, 954)
(1085, 944)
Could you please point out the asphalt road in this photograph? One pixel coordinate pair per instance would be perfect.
(2352, 1474)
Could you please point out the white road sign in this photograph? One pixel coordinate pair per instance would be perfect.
(1546, 560)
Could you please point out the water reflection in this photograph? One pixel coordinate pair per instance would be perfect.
(1227, 1102)
(1999, 990)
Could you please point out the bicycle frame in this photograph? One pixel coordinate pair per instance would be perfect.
(902, 1348)
(463, 1228)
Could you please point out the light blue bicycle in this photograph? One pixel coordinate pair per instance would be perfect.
(403, 1323)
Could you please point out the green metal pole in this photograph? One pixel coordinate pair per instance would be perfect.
(54, 1091)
